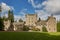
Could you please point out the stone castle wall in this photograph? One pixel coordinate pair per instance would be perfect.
(31, 20)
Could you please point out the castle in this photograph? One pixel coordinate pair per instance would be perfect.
(32, 23)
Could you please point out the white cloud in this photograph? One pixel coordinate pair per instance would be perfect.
(17, 17)
(57, 17)
(5, 7)
(12, 8)
(33, 4)
(51, 7)
(21, 15)
(42, 14)
(23, 11)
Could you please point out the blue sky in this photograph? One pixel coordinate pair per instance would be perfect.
(42, 7)
(20, 4)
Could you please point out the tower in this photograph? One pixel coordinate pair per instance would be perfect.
(51, 24)
(31, 19)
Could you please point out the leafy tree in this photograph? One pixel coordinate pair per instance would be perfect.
(20, 20)
(25, 28)
(0, 10)
(58, 26)
(11, 15)
(39, 19)
(44, 29)
(1, 21)
(1, 24)
(4, 18)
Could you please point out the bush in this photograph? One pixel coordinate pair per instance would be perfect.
(58, 26)
(25, 28)
(1, 24)
(44, 29)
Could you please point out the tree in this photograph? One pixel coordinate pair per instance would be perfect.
(11, 15)
(20, 20)
(4, 18)
(1, 20)
(39, 19)
(25, 28)
(58, 26)
(0, 10)
(44, 29)
(1, 24)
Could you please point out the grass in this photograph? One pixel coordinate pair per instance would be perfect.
(29, 36)
(58, 26)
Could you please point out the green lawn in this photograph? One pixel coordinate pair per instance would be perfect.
(29, 36)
